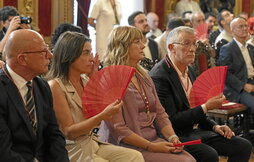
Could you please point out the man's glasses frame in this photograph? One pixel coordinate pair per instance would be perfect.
(187, 44)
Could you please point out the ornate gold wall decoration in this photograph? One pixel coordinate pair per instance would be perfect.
(1, 3)
(29, 8)
(238, 7)
(62, 11)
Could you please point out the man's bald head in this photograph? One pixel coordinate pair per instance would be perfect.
(20, 41)
(27, 53)
(197, 18)
(152, 20)
(239, 28)
(234, 22)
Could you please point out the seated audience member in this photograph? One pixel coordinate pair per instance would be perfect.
(187, 5)
(224, 19)
(60, 29)
(72, 58)
(161, 40)
(173, 78)
(141, 117)
(213, 35)
(238, 56)
(204, 53)
(210, 19)
(153, 22)
(152, 56)
(10, 19)
(29, 131)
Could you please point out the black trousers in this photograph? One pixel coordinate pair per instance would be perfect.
(237, 149)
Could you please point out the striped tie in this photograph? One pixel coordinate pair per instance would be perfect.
(30, 106)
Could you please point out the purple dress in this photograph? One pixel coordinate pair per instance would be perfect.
(134, 118)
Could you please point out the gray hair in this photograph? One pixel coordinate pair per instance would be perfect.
(173, 35)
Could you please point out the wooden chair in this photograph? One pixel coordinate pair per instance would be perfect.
(240, 117)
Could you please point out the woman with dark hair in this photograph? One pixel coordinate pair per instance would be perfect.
(71, 59)
(141, 117)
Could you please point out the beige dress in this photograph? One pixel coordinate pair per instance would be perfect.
(88, 148)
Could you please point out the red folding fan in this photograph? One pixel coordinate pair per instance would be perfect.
(209, 84)
(202, 31)
(194, 142)
(104, 87)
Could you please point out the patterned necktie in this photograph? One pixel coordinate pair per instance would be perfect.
(30, 106)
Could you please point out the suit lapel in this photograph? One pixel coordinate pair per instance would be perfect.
(174, 78)
(238, 51)
(39, 107)
(15, 97)
(153, 50)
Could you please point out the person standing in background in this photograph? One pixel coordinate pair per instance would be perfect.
(105, 14)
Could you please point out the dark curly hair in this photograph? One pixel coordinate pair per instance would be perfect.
(61, 29)
(7, 11)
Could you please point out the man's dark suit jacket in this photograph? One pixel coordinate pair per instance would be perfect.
(17, 140)
(237, 76)
(153, 46)
(174, 100)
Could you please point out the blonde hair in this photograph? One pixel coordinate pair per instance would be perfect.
(118, 45)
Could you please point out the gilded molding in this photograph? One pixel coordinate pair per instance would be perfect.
(238, 7)
(30, 8)
(1, 3)
(62, 12)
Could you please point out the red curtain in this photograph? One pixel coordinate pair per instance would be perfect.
(246, 6)
(10, 3)
(83, 10)
(147, 5)
(45, 17)
(160, 11)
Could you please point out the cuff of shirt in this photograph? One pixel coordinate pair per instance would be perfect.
(204, 108)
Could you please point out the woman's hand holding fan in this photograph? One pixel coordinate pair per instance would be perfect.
(111, 110)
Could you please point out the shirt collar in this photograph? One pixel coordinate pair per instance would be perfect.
(178, 71)
(240, 45)
(19, 81)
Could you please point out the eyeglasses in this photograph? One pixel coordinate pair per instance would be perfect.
(187, 44)
(44, 52)
(242, 26)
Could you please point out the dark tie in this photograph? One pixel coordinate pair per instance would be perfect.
(30, 106)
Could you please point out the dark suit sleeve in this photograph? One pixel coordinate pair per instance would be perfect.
(226, 59)
(181, 116)
(6, 152)
(55, 141)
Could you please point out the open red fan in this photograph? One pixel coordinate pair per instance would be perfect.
(104, 87)
(202, 31)
(209, 84)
